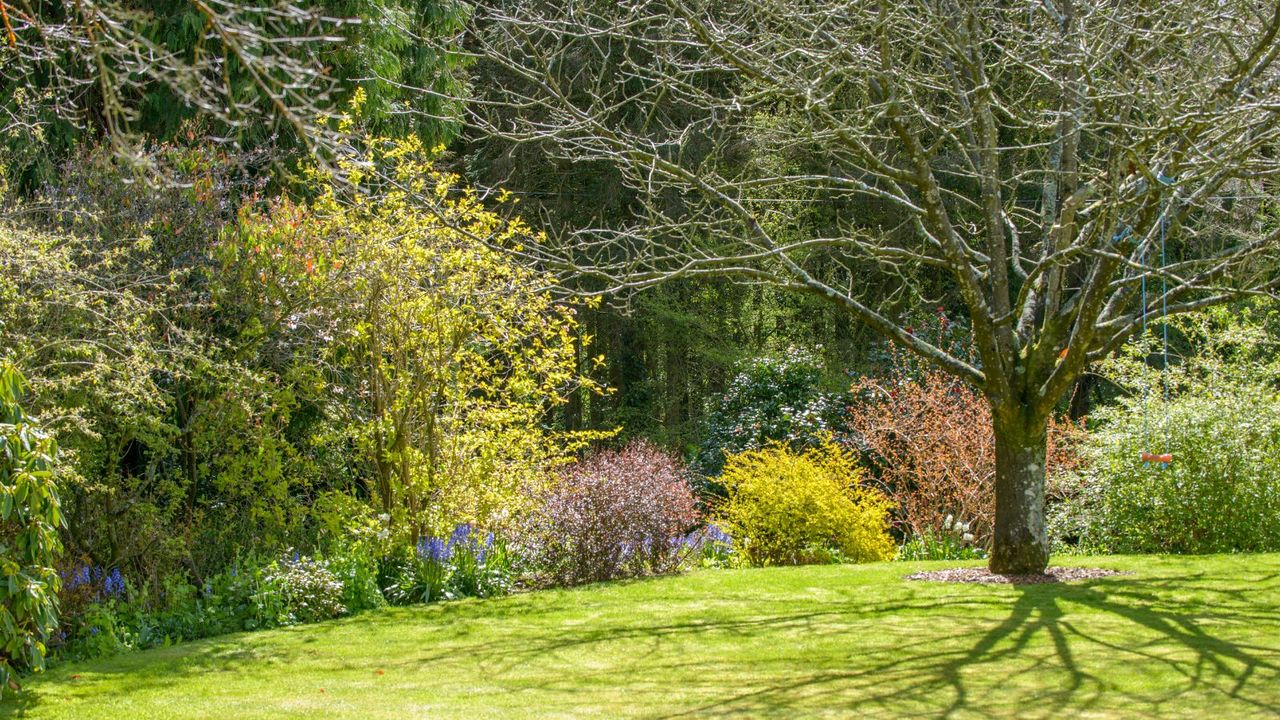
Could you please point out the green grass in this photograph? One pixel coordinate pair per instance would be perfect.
(1179, 637)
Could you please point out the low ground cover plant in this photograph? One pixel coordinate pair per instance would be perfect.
(308, 590)
(788, 507)
(952, 541)
(110, 616)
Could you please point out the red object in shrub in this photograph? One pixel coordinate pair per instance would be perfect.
(1162, 458)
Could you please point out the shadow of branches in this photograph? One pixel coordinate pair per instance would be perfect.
(1151, 644)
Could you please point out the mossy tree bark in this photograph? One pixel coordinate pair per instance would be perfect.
(1020, 543)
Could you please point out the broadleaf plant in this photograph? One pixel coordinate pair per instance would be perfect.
(30, 519)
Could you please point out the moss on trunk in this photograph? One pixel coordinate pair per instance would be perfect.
(1020, 543)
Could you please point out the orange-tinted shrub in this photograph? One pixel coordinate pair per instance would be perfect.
(929, 439)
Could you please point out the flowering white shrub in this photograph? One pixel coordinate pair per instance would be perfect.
(305, 589)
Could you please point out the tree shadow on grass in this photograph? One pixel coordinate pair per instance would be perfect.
(1028, 651)
(1047, 627)
(1164, 640)
(158, 668)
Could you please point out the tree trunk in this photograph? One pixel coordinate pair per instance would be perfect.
(675, 359)
(1082, 396)
(1019, 544)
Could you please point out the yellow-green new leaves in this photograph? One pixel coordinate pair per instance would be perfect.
(444, 353)
(786, 507)
(30, 518)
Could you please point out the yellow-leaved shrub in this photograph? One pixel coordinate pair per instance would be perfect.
(443, 354)
(788, 508)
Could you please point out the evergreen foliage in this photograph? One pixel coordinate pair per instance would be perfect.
(30, 522)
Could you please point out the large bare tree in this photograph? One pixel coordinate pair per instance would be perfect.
(1069, 166)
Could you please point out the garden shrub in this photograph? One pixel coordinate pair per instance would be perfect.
(618, 513)
(1220, 494)
(1221, 422)
(30, 519)
(786, 507)
(929, 439)
(778, 398)
(310, 592)
(452, 352)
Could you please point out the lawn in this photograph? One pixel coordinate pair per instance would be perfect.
(1179, 637)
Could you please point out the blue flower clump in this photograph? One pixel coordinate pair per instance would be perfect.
(106, 584)
(708, 536)
(434, 549)
(713, 534)
(441, 551)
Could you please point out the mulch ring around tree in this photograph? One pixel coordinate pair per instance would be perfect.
(984, 576)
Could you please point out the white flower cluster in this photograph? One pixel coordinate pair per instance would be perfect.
(311, 591)
(955, 526)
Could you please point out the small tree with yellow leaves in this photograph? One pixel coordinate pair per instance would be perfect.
(445, 353)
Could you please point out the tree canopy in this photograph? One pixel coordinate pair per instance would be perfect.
(1071, 168)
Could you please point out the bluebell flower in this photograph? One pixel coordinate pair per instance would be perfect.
(708, 537)
(460, 535)
(715, 535)
(434, 549)
(483, 551)
(113, 584)
(80, 577)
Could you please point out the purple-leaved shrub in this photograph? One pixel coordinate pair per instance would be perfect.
(618, 513)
